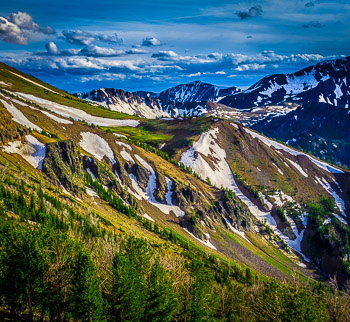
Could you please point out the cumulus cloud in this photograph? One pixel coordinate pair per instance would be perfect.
(17, 28)
(84, 38)
(150, 42)
(165, 65)
(51, 48)
(165, 55)
(11, 33)
(96, 51)
(194, 75)
(312, 24)
(136, 51)
(25, 22)
(253, 12)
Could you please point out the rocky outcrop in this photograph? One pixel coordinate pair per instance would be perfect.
(63, 165)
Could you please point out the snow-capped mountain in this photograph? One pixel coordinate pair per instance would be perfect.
(126, 102)
(196, 92)
(326, 82)
(316, 127)
(190, 99)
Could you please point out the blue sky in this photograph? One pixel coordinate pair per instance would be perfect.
(139, 45)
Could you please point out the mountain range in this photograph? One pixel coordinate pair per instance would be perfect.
(233, 217)
(273, 96)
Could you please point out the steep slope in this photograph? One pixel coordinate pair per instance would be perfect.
(320, 128)
(222, 188)
(195, 92)
(279, 185)
(327, 82)
(158, 188)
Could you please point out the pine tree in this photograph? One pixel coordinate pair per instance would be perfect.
(161, 304)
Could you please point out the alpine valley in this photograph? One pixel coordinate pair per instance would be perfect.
(195, 203)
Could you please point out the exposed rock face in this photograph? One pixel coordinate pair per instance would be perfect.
(232, 209)
(63, 165)
(141, 174)
(161, 189)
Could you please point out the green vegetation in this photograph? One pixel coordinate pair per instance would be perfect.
(333, 235)
(49, 269)
(280, 213)
(139, 134)
(53, 94)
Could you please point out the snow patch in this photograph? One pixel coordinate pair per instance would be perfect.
(96, 146)
(298, 167)
(236, 231)
(148, 217)
(91, 192)
(124, 145)
(91, 174)
(56, 118)
(32, 150)
(149, 193)
(205, 242)
(338, 201)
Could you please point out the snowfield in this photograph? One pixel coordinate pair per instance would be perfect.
(96, 146)
(220, 175)
(76, 114)
(32, 150)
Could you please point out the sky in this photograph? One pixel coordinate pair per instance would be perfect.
(152, 45)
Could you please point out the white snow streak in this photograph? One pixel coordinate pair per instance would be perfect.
(149, 193)
(205, 242)
(19, 117)
(76, 114)
(325, 166)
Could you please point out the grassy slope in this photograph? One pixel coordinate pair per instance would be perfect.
(178, 134)
(18, 84)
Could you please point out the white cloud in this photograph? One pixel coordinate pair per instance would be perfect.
(51, 48)
(18, 28)
(246, 67)
(11, 33)
(194, 75)
(84, 38)
(25, 21)
(96, 51)
(151, 42)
